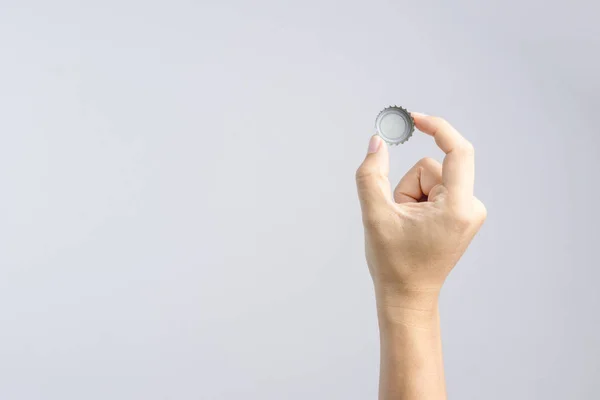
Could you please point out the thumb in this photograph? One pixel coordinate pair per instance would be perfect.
(372, 181)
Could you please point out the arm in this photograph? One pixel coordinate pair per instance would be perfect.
(413, 239)
(411, 365)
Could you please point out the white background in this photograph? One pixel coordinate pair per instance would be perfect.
(178, 216)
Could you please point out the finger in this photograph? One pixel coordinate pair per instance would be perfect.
(372, 177)
(416, 184)
(458, 171)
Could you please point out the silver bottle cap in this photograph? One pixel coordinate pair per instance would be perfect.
(395, 125)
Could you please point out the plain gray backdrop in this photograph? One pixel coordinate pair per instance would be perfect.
(178, 215)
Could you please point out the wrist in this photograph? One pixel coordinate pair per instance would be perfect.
(407, 297)
(407, 307)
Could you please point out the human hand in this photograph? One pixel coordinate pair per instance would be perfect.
(415, 237)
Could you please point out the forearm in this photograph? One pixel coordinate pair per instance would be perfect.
(411, 351)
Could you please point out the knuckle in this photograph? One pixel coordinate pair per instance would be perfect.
(474, 215)
(464, 218)
(427, 162)
(441, 121)
(467, 148)
(361, 172)
(444, 124)
(463, 215)
(481, 210)
(366, 174)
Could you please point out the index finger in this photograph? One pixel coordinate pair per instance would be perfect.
(458, 172)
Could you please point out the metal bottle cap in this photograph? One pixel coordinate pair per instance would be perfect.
(395, 125)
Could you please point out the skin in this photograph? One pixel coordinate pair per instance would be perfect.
(414, 236)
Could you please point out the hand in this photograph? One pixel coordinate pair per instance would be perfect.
(416, 236)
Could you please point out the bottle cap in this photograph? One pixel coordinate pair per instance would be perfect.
(394, 125)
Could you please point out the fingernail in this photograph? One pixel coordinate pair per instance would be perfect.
(374, 144)
(418, 114)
